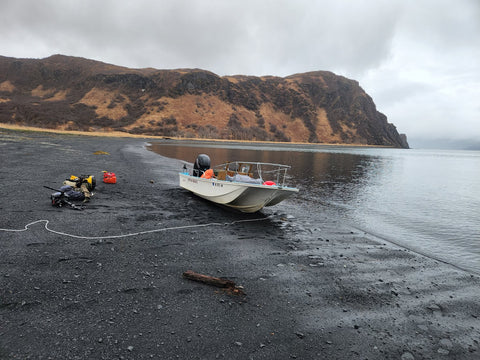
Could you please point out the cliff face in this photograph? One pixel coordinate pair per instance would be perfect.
(71, 93)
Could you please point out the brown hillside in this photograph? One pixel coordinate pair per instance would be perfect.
(70, 93)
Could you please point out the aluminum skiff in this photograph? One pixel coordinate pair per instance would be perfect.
(242, 185)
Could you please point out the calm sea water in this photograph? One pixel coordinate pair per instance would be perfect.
(424, 200)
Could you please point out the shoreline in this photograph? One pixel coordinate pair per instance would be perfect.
(315, 288)
(121, 134)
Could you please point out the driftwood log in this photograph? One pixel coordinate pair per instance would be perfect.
(226, 284)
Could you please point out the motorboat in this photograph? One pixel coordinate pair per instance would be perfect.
(241, 185)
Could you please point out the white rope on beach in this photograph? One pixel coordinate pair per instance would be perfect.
(26, 228)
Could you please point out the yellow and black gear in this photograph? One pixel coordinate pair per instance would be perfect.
(88, 180)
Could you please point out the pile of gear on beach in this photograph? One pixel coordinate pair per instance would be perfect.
(78, 188)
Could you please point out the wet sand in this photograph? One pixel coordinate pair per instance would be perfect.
(315, 288)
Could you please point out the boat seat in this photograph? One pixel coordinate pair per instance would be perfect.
(233, 173)
(221, 174)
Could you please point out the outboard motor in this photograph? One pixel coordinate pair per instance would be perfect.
(202, 163)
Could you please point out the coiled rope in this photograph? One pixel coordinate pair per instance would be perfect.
(26, 228)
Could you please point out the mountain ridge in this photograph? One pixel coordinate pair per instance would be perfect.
(72, 93)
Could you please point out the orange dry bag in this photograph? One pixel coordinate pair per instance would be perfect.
(109, 178)
(208, 174)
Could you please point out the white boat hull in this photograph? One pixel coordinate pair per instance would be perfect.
(241, 196)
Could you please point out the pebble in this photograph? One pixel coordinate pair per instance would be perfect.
(433, 307)
(130, 348)
(443, 351)
(446, 344)
(407, 356)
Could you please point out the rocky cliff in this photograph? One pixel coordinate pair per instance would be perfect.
(72, 93)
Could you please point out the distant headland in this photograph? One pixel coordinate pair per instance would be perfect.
(71, 93)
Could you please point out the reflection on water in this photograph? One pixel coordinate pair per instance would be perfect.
(428, 201)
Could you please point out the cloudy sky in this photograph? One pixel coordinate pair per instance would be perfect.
(418, 59)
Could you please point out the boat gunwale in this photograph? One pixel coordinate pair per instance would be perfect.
(245, 184)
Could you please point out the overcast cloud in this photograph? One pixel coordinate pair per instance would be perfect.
(418, 59)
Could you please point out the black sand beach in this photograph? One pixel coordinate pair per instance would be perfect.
(315, 288)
